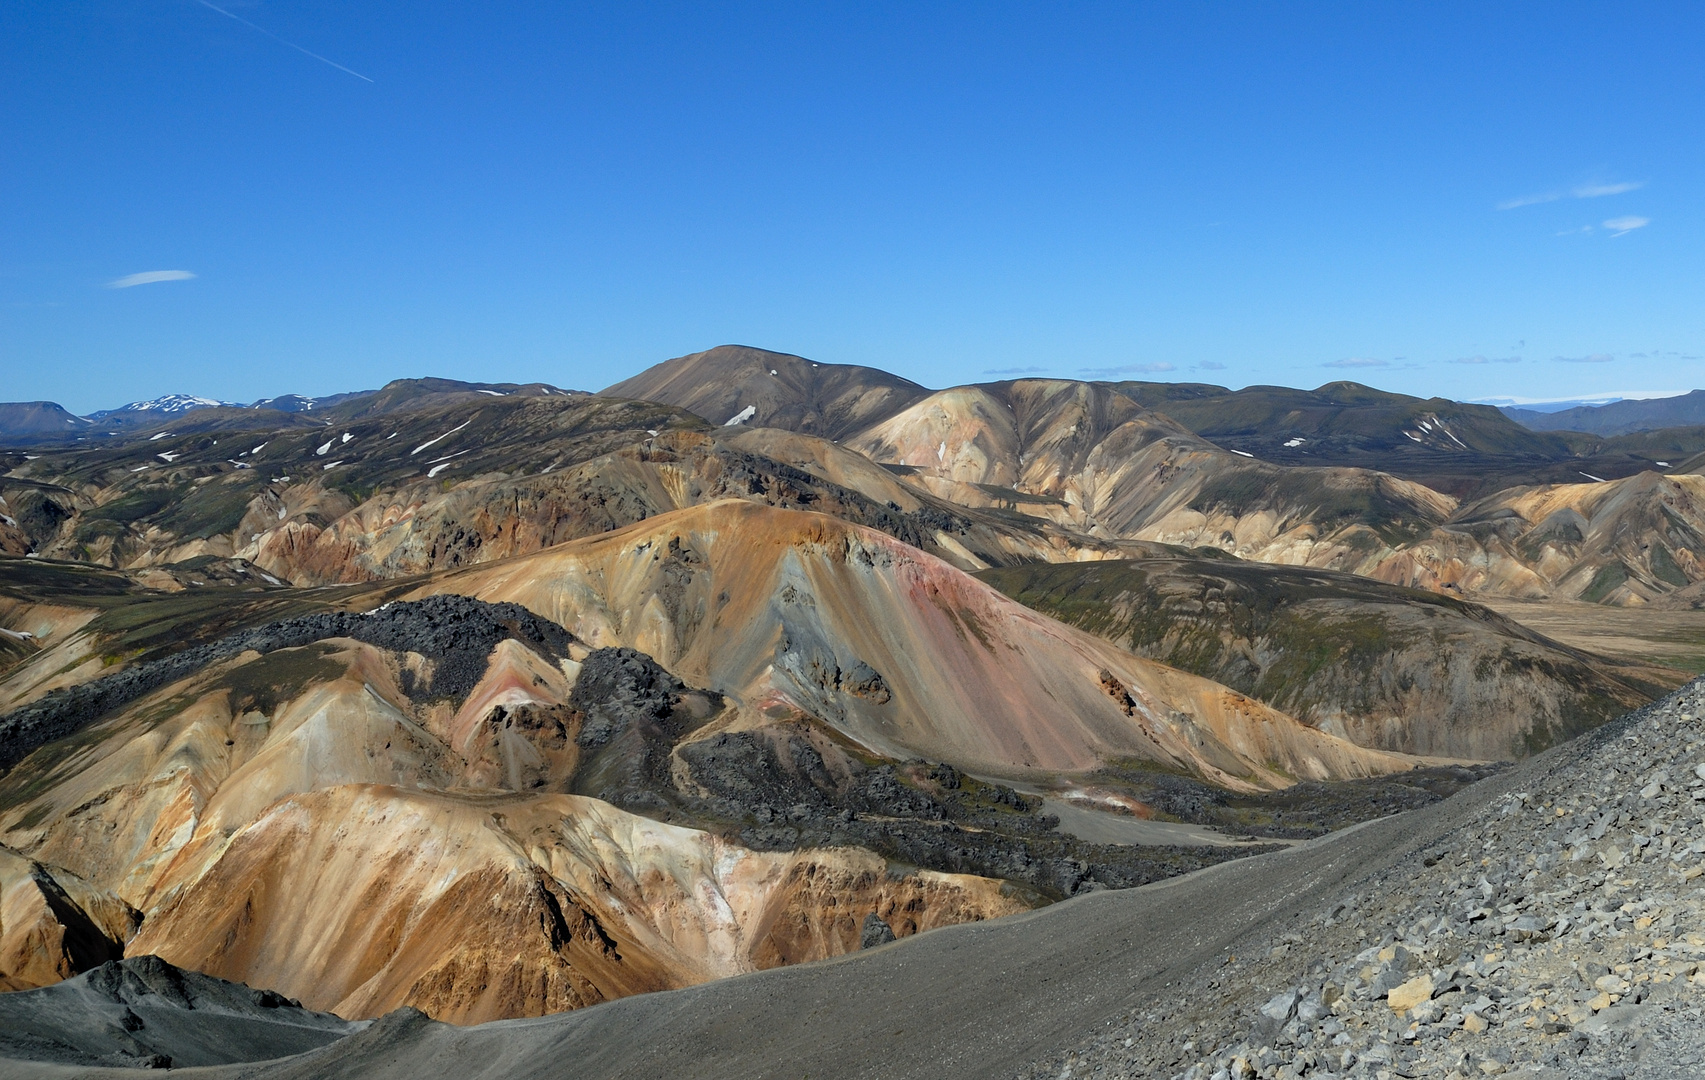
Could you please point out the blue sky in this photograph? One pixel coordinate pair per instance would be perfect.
(1235, 193)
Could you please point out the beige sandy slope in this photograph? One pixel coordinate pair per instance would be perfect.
(791, 613)
(1113, 468)
(47, 648)
(361, 898)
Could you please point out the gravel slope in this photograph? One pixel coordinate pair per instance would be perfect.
(1559, 933)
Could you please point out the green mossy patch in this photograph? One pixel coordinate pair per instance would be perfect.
(1665, 569)
(138, 504)
(213, 509)
(1605, 582)
(265, 683)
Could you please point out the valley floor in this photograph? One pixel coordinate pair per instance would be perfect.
(1640, 635)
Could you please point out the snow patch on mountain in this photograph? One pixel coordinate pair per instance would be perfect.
(167, 405)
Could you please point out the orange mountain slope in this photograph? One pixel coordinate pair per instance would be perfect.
(796, 613)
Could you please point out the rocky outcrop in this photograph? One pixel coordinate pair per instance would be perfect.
(53, 924)
(875, 932)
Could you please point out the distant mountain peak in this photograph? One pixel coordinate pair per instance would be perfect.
(165, 405)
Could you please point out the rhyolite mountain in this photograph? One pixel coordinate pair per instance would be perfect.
(734, 384)
(1225, 972)
(743, 719)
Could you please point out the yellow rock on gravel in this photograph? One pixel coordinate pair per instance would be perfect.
(1410, 994)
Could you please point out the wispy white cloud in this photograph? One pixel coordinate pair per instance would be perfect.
(1129, 369)
(1487, 360)
(1594, 191)
(1013, 370)
(149, 277)
(1579, 191)
(1356, 362)
(1626, 224)
(1210, 365)
(1595, 358)
(1530, 200)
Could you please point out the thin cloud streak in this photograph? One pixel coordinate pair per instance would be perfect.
(1487, 360)
(149, 277)
(1529, 200)
(1595, 358)
(1625, 225)
(1013, 370)
(1594, 191)
(281, 41)
(1581, 191)
(1356, 362)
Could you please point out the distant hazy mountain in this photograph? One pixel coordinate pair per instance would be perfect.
(1619, 417)
(36, 418)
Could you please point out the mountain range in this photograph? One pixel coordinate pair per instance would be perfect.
(1618, 417)
(500, 700)
(24, 423)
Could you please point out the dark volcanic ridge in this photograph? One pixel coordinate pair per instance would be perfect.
(143, 1013)
(455, 631)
